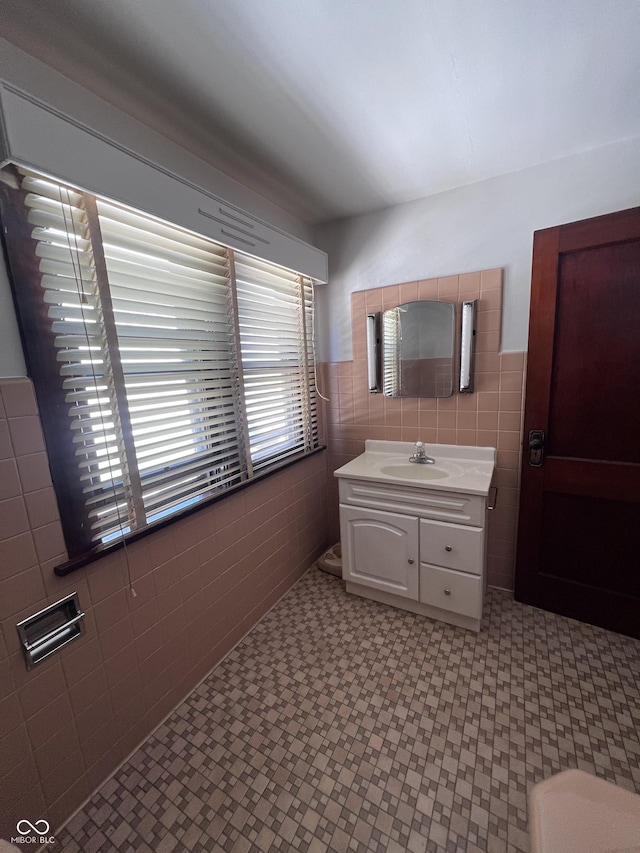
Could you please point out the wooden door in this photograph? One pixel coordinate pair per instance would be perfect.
(579, 527)
(380, 550)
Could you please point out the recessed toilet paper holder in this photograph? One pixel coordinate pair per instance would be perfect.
(50, 629)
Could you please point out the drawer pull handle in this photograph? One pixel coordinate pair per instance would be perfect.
(411, 562)
(448, 548)
(447, 592)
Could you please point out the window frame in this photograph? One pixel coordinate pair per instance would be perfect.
(33, 320)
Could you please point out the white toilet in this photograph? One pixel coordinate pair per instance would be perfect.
(574, 812)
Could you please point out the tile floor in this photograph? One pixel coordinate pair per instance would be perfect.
(339, 724)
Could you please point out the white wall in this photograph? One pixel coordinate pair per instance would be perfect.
(480, 226)
(35, 78)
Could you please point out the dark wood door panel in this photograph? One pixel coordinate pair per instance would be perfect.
(579, 525)
(591, 542)
(595, 382)
(606, 480)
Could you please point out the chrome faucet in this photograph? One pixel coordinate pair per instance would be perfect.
(420, 455)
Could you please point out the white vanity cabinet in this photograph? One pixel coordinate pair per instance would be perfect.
(414, 545)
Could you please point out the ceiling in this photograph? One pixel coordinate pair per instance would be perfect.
(339, 107)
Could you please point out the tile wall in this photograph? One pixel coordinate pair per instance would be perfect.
(491, 416)
(201, 584)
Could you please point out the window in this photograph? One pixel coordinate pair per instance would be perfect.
(168, 368)
(276, 345)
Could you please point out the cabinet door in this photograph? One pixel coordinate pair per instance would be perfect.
(380, 550)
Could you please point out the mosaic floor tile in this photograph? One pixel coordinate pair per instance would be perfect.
(339, 724)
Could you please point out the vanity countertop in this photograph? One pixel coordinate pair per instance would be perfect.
(457, 468)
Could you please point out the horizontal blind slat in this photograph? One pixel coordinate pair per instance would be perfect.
(144, 278)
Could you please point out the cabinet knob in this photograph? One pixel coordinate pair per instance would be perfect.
(448, 548)
(411, 562)
(447, 592)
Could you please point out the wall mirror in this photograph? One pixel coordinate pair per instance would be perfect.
(417, 349)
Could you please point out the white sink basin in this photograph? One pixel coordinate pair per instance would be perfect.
(417, 471)
(457, 469)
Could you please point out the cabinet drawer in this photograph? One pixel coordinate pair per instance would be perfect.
(452, 545)
(413, 500)
(451, 590)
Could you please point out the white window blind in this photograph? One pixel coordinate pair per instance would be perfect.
(274, 316)
(73, 309)
(184, 367)
(171, 301)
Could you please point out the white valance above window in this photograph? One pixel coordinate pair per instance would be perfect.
(37, 136)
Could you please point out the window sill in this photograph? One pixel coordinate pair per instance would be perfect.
(73, 565)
